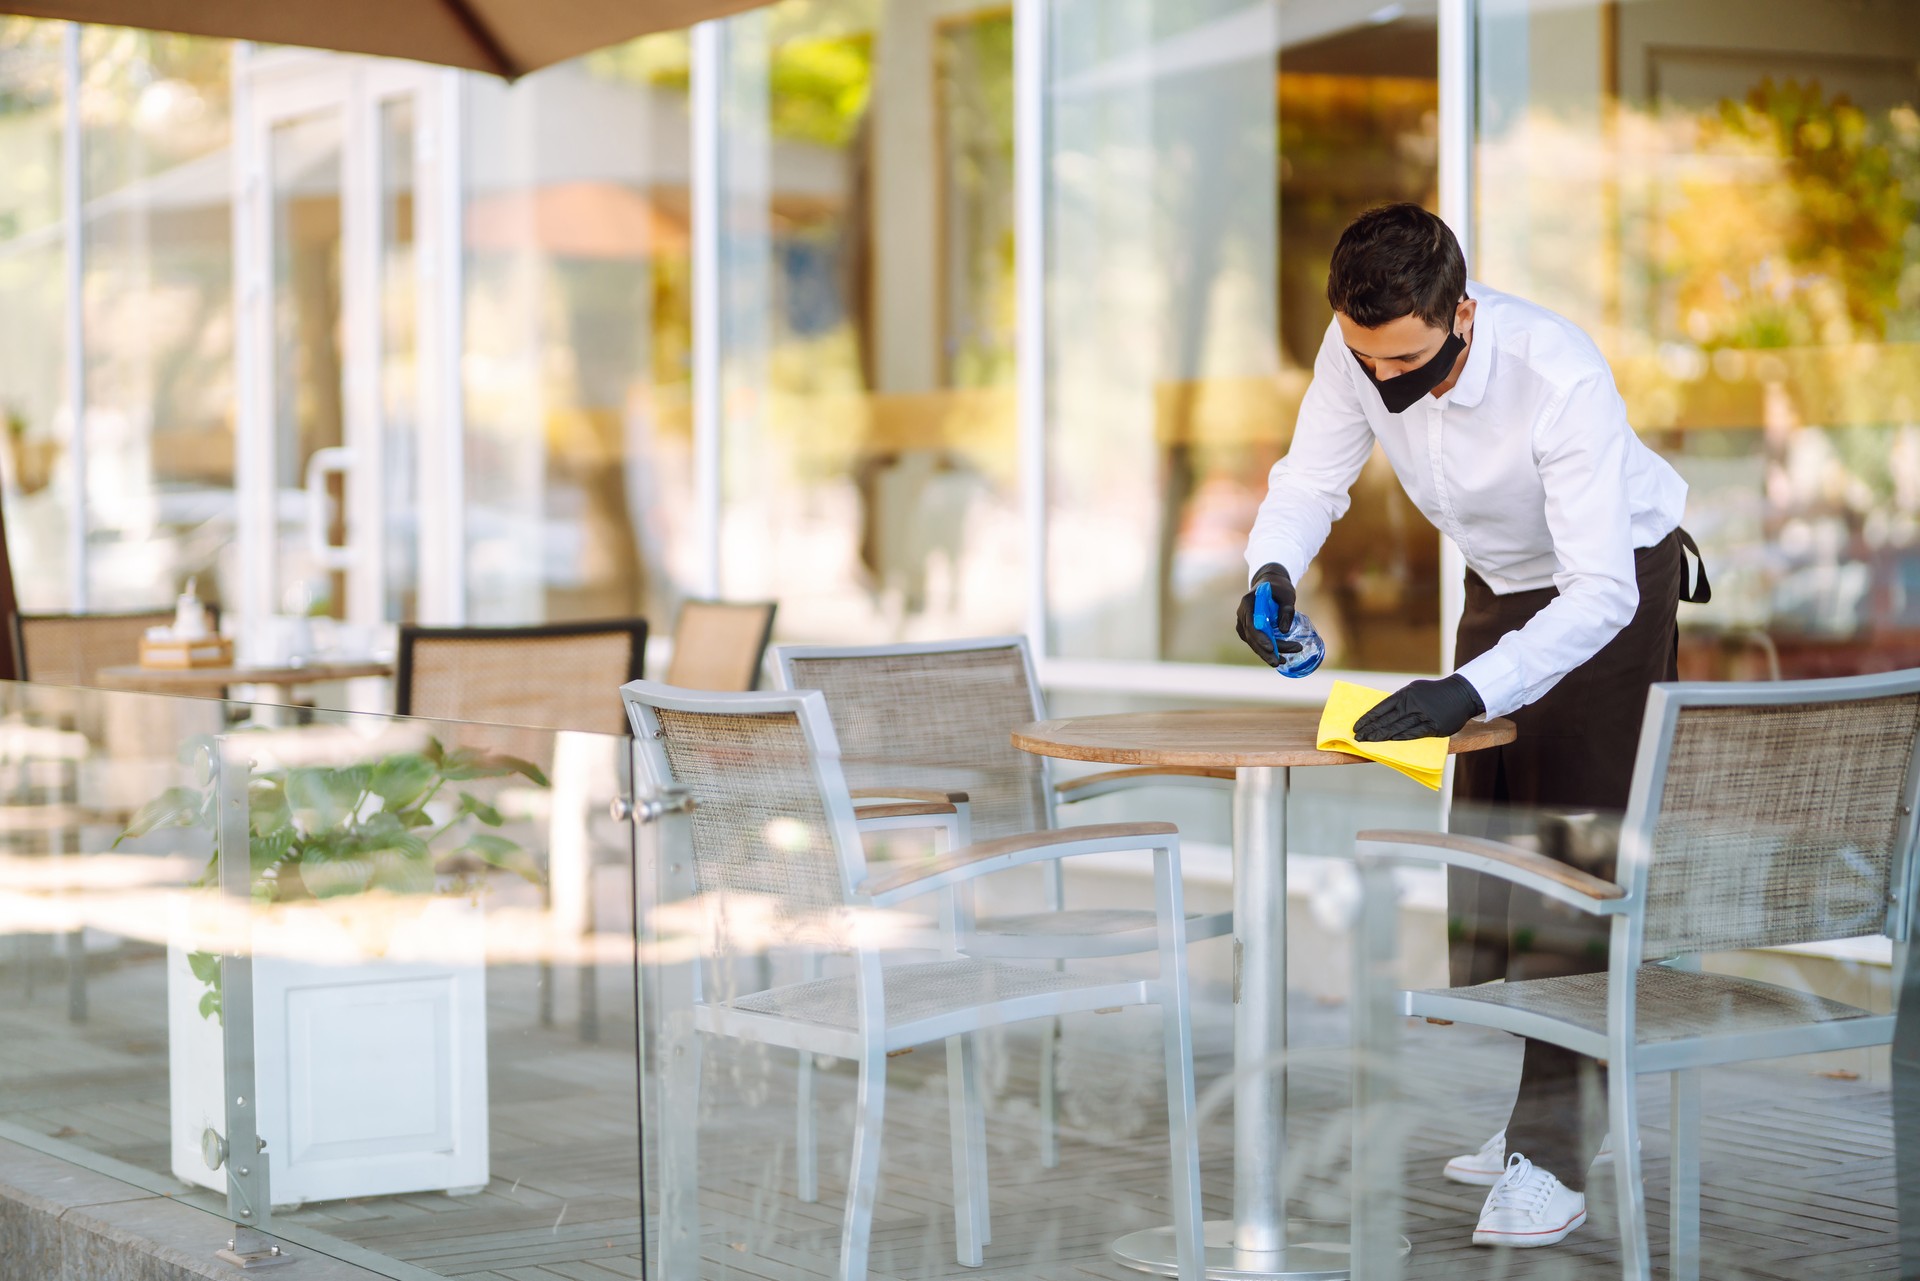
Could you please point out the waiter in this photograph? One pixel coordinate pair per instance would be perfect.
(1502, 421)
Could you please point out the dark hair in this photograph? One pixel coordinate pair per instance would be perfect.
(1397, 260)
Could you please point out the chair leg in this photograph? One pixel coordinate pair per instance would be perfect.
(680, 1156)
(863, 1182)
(1623, 1115)
(806, 1145)
(1049, 1094)
(1183, 1136)
(966, 1126)
(1685, 1203)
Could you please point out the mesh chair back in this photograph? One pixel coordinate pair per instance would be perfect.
(562, 676)
(761, 779)
(719, 645)
(935, 717)
(1779, 822)
(70, 649)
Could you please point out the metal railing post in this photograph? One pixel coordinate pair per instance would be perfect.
(242, 1150)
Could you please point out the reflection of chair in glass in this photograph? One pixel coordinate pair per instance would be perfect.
(774, 839)
(558, 676)
(1762, 815)
(553, 676)
(70, 649)
(718, 644)
(937, 716)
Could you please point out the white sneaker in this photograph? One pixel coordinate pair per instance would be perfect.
(1483, 1168)
(1529, 1207)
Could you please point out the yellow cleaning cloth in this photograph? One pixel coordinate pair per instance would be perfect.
(1420, 759)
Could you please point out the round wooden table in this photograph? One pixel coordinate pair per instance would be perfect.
(210, 682)
(1261, 746)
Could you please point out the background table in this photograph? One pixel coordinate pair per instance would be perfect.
(210, 682)
(1261, 745)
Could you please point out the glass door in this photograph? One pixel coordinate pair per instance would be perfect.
(336, 253)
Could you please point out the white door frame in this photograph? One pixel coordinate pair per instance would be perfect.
(270, 89)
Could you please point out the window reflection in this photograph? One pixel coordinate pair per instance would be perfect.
(1202, 165)
(577, 365)
(1734, 218)
(867, 251)
(157, 237)
(35, 460)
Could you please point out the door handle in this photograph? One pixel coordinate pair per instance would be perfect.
(335, 459)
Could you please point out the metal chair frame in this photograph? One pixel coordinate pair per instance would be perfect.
(687, 1012)
(1007, 937)
(1624, 901)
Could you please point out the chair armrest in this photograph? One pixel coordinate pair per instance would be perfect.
(904, 809)
(1106, 782)
(929, 794)
(909, 880)
(1559, 881)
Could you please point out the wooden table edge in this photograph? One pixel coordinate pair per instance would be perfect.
(127, 676)
(1478, 736)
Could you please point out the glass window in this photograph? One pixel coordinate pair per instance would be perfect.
(159, 316)
(1727, 196)
(870, 469)
(578, 371)
(37, 460)
(1202, 162)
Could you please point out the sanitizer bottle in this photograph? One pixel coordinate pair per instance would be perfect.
(1266, 616)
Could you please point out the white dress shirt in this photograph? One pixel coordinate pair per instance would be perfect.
(1528, 464)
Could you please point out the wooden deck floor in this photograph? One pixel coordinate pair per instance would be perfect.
(1799, 1172)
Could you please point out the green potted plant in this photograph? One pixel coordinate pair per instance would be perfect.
(369, 970)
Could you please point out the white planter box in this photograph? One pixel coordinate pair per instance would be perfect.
(370, 1047)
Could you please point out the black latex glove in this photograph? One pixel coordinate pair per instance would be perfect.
(1257, 640)
(1424, 709)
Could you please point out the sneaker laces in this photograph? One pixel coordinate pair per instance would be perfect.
(1495, 1144)
(1524, 1187)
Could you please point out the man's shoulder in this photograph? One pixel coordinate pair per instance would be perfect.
(1555, 348)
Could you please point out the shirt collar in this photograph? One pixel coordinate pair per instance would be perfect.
(1473, 379)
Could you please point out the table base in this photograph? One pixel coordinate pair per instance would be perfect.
(1322, 1251)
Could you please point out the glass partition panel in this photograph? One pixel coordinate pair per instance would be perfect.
(1725, 196)
(412, 938)
(1202, 160)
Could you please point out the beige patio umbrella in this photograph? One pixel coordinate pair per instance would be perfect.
(506, 37)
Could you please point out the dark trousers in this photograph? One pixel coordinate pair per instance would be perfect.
(1573, 751)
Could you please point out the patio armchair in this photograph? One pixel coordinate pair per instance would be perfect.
(938, 716)
(70, 649)
(1761, 815)
(720, 644)
(553, 676)
(548, 676)
(770, 815)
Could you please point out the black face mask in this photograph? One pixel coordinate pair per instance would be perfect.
(1400, 392)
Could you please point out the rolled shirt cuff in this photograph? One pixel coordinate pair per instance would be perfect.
(1497, 681)
(1258, 557)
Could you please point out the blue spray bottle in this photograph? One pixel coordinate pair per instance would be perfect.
(1266, 616)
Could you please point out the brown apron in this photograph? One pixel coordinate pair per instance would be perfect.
(1573, 751)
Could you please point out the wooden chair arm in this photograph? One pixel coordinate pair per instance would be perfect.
(929, 794)
(904, 809)
(1109, 781)
(911, 879)
(1559, 881)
